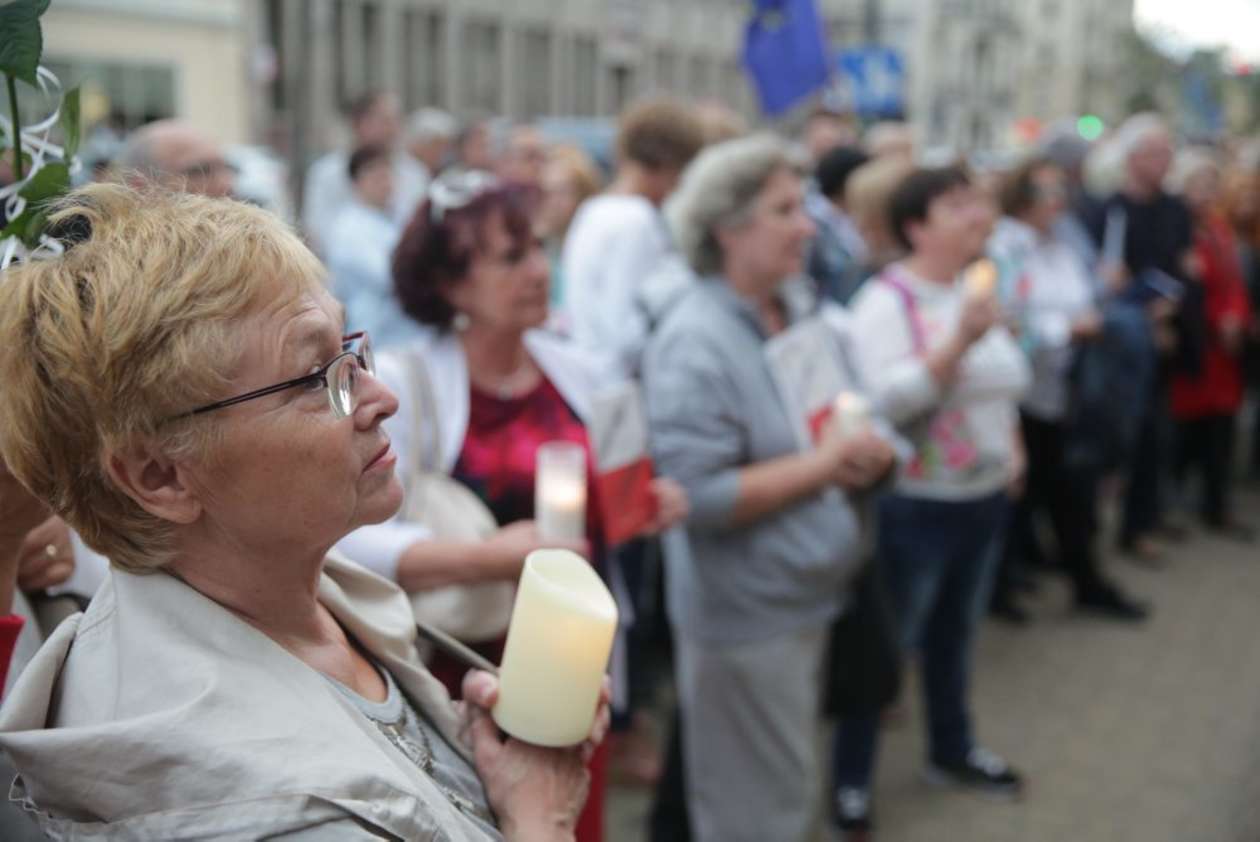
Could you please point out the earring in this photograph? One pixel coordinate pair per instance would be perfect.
(460, 322)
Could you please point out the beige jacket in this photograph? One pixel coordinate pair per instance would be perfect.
(159, 714)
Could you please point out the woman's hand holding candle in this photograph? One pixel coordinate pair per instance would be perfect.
(537, 793)
(859, 460)
(672, 505)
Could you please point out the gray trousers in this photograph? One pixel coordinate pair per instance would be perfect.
(750, 716)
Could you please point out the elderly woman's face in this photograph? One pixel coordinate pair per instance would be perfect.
(508, 283)
(287, 471)
(770, 243)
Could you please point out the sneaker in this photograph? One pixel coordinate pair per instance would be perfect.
(1230, 530)
(1109, 602)
(1008, 610)
(853, 813)
(982, 771)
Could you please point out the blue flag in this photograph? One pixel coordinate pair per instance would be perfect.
(785, 52)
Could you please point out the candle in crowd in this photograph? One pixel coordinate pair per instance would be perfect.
(560, 491)
(981, 278)
(557, 650)
(851, 415)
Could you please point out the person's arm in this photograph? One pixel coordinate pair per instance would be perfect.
(20, 512)
(905, 385)
(435, 563)
(604, 272)
(698, 432)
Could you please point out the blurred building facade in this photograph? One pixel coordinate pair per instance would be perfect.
(140, 60)
(976, 68)
(528, 58)
(279, 71)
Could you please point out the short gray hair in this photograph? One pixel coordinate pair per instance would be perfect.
(1138, 129)
(718, 189)
(430, 124)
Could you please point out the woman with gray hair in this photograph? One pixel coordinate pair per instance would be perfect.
(759, 572)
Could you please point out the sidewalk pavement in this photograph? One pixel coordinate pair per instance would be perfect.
(1147, 733)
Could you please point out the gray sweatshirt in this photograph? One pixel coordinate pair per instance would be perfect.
(713, 408)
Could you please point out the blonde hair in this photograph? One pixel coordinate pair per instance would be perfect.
(866, 197)
(581, 168)
(111, 343)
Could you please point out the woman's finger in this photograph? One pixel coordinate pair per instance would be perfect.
(481, 689)
(50, 576)
(483, 738)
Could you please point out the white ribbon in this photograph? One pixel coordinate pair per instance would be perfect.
(35, 140)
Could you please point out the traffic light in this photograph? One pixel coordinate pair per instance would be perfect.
(1090, 127)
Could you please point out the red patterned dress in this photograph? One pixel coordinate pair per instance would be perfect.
(497, 462)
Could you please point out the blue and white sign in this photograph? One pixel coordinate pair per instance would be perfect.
(870, 81)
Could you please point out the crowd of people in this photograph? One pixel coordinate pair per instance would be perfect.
(283, 445)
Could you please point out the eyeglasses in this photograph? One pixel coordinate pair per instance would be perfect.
(339, 378)
(208, 169)
(456, 190)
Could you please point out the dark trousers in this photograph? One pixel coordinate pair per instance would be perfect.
(669, 820)
(1206, 446)
(1143, 501)
(939, 559)
(1065, 495)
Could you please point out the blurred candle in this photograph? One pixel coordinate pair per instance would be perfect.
(852, 414)
(557, 650)
(981, 278)
(560, 491)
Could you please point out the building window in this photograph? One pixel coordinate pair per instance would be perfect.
(370, 38)
(585, 76)
(620, 88)
(665, 71)
(534, 77)
(274, 38)
(424, 52)
(482, 72)
(700, 77)
(733, 86)
(130, 95)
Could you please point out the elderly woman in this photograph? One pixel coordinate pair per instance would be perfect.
(759, 573)
(951, 376)
(1206, 402)
(180, 390)
(479, 394)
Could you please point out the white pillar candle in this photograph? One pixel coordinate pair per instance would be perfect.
(560, 491)
(852, 414)
(557, 650)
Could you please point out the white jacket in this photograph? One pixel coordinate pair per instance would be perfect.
(577, 374)
(160, 714)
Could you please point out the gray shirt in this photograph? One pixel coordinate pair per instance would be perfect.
(418, 741)
(713, 408)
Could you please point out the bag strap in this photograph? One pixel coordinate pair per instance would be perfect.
(898, 285)
(426, 415)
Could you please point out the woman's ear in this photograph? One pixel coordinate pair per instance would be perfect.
(155, 482)
(728, 235)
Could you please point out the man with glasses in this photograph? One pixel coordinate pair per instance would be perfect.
(175, 154)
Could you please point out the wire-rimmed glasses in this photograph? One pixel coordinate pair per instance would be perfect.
(340, 378)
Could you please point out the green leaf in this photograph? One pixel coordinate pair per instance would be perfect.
(49, 183)
(17, 225)
(71, 125)
(21, 41)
